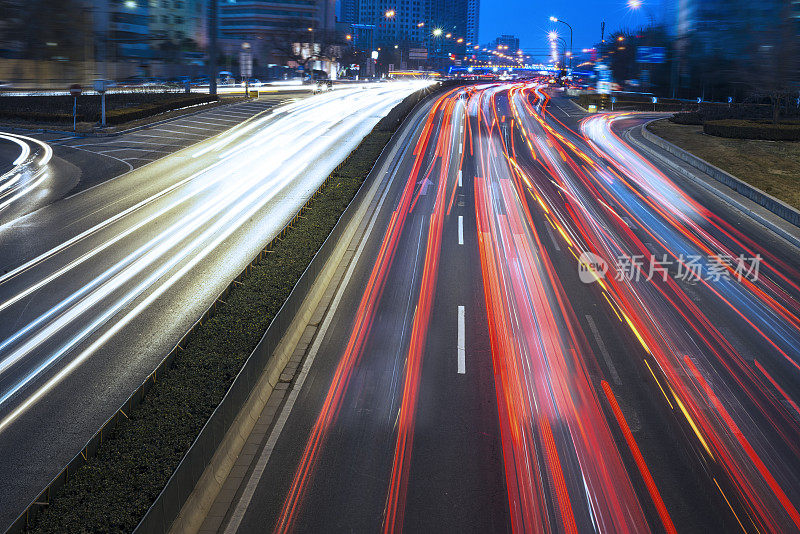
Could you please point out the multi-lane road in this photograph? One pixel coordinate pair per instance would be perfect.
(97, 287)
(544, 331)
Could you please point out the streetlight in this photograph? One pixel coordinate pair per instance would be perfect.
(556, 19)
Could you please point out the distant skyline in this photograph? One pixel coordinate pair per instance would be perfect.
(529, 20)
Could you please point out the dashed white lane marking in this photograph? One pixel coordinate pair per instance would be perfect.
(606, 356)
(460, 229)
(553, 238)
(460, 174)
(462, 352)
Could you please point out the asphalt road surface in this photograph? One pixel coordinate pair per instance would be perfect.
(95, 289)
(76, 163)
(546, 332)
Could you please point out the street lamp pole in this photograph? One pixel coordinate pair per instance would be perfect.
(556, 19)
(212, 46)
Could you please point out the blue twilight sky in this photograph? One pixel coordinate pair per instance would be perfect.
(529, 20)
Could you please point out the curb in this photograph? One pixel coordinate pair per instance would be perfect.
(776, 206)
(760, 219)
(200, 501)
(204, 460)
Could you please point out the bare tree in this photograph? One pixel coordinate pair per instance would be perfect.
(300, 45)
(773, 67)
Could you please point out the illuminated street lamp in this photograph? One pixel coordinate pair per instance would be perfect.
(391, 13)
(556, 19)
(437, 32)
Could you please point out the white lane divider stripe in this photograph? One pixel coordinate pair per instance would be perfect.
(460, 229)
(462, 355)
(460, 174)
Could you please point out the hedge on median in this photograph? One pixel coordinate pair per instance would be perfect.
(744, 129)
(120, 107)
(112, 492)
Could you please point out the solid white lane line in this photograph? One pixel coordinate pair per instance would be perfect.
(460, 175)
(460, 229)
(25, 149)
(462, 355)
(602, 346)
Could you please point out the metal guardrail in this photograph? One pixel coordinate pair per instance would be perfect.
(183, 480)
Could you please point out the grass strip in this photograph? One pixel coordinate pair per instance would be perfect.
(113, 490)
(772, 166)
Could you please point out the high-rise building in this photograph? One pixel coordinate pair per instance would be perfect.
(396, 23)
(348, 11)
(439, 26)
(473, 16)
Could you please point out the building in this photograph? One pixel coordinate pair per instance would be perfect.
(349, 11)
(396, 23)
(736, 46)
(473, 20)
(178, 21)
(121, 29)
(439, 27)
(509, 44)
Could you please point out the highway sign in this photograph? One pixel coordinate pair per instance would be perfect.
(651, 54)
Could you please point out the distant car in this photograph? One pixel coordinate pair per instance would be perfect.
(323, 86)
(226, 78)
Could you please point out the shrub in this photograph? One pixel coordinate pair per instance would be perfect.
(120, 107)
(743, 129)
(687, 117)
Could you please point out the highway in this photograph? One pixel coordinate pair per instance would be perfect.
(96, 288)
(545, 331)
